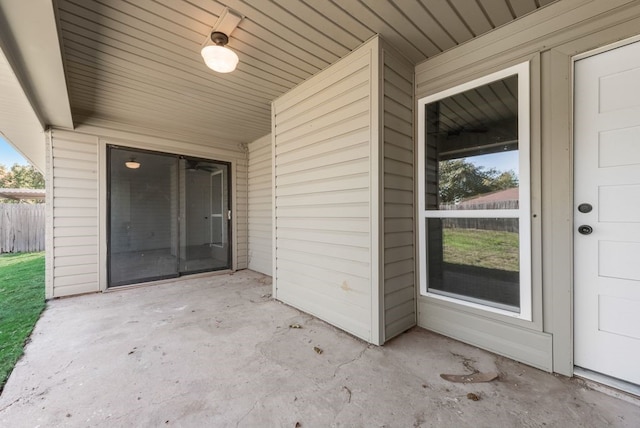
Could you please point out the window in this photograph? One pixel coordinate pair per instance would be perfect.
(474, 190)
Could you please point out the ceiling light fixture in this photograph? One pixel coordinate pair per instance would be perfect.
(132, 164)
(217, 56)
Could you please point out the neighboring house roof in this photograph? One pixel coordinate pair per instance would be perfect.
(499, 196)
(20, 194)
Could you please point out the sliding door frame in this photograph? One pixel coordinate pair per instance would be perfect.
(179, 185)
(228, 216)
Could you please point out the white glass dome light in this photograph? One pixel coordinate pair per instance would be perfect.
(132, 164)
(218, 57)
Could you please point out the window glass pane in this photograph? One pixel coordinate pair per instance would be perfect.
(471, 156)
(204, 234)
(143, 226)
(475, 259)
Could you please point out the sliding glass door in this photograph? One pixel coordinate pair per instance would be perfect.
(204, 243)
(168, 215)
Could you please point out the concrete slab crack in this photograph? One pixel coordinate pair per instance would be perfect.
(255, 403)
(9, 405)
(353, 360)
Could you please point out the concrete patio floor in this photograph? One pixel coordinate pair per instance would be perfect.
(218, 351)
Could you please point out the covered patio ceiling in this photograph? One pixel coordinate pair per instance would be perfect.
(138, 62)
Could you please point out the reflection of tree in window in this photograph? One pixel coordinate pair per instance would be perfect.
(459, 179)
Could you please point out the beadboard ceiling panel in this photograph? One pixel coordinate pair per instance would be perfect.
(138, 62)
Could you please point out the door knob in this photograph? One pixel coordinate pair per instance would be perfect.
(585, 229)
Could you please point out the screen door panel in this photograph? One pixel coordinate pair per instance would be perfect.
(204, 243)
(142, 224)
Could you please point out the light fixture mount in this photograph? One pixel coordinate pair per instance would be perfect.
(219, 38)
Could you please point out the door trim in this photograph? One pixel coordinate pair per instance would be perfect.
(603, 49)
(104, 212)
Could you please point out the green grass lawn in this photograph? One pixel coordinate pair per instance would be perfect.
(483, 248)
(21, 302)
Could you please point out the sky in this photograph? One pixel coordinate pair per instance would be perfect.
(9, 155)
(502, 161)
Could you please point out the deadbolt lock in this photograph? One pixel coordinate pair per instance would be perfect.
(585, 208)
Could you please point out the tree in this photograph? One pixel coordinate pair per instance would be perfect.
(21, 177)
(459, 179)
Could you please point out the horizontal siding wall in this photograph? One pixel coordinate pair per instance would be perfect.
(75, 213)
(78, 162)
(398, 197)
(323, 225)
(260, 203)
(240, 200)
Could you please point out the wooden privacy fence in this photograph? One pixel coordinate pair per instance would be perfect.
(21, 228)
(499, 224)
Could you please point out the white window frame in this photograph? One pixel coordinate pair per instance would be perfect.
(523, 213)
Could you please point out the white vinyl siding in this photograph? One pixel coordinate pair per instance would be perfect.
(323, 144)
(260, 215)
(77, 177)
(398, 223)
(75, 214)
(343, 195)
(240, 212)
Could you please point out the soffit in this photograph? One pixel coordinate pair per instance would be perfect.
(19, 124)
(29, 39)
(33, 92)
(138, 62)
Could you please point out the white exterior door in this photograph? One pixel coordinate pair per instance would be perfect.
(607, 238)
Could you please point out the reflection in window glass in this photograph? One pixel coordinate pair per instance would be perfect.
(472, 157)
(472, 163)
(475, 259)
